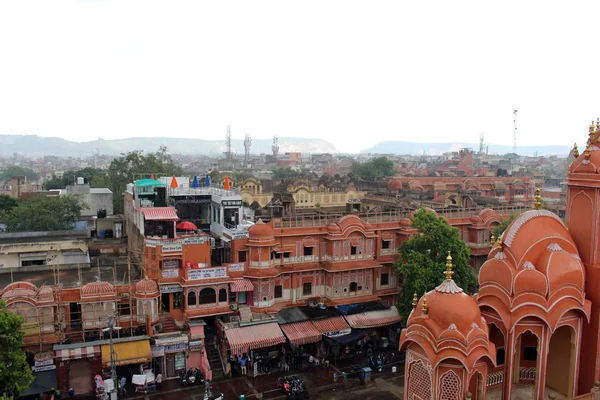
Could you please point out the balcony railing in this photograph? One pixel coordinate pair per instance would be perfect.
(495, 378)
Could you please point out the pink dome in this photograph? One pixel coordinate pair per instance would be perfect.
(146, 288)
(98, 291)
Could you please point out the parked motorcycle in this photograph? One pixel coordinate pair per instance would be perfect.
(182, 377)
(293, 387)
(198, 375)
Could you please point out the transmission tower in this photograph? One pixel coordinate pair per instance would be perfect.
(228, 152)
(515, 111)
(247, 144)
(275, 147)
(481, 145)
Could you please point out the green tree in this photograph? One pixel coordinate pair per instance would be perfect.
(422, 259)
(499, 229)
(94, 176)
(134, 165)
(7, 203)
(43, 213)
(376, 168)
(15, 374)
(17, 170)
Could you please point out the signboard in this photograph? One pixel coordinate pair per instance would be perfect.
(176, 348)
(150, 243)
(44, 363)
(207, 273)
(202, 265)
(241, 235)
(231, 203)
(239, 267)
(194, 240)
(44, 368)
(170, 288)
(170, 264)
(170, 273)
(157, 351)
(172, 248)
(338, 333)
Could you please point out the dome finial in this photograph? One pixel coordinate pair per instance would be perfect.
(415, 299)
(586, 153)
(575, 151)
(425, 309)
(492, 240)
(499, 242)
(449, 272)
(538, 198)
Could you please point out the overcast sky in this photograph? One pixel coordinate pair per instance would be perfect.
(354, 73)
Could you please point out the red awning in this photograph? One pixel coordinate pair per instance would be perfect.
(333, 324)
(300, 333)
(77, 353)
(242, 340)
(373, 319)
(160, 213)
(242, 285)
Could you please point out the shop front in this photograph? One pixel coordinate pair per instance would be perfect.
(76, 366)
(378, 325)
(130, 356)
(44, 375)
(197, 357)
(169, 354)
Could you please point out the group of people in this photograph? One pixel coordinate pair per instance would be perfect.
(270, 361)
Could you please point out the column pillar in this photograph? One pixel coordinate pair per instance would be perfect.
(509, 359)
(542, 360)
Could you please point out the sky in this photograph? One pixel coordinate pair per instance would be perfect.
(352, 72)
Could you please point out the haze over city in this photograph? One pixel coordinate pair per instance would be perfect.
(439, 72)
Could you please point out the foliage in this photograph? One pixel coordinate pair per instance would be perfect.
(136, 165)
(422, 260)
(376, 168)
(94, 176)
(15, 374)
(17, 170)
(7, 203)
(501, 172)
(282, 173)
(43, 213)
(499, 230)
(241, 176)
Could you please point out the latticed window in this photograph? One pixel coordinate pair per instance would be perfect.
(450, 386)
(419, 382)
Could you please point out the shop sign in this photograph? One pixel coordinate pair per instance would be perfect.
(237, 236)
(239, 267)
(150, 243)
(170, 273)
(202, 265)
(170, 288)
(207, 273)
(43, 363)
(176, 348)
(157, 351)
(231, 203)
(195, 345)
(338, 333)
(44, 368)
(172, 248)
(170, 264)
(194, 240)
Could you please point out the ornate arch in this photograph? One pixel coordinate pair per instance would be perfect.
(450, 386)
(419, 381)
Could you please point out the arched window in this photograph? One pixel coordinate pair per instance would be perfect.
(222, 295)
(207, 296)
(191, 299)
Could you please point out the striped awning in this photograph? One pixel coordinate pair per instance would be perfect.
(77, 353)
(299, 333)
(242, 340)
(373, 319)
(242, 285)
(160, 213)
(334, 326)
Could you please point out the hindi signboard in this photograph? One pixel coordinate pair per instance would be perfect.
(172, 248)
(239, 267)
(207, 273)
(194, 240)
(170, 273)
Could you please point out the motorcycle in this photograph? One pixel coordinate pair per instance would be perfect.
(198, 375)
(182, 378)
(293, 387)
(191, 378)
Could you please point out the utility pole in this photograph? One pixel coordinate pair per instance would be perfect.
(275, 147)
(515, 111)
(247, 144)
(228, 152)
(113, 369)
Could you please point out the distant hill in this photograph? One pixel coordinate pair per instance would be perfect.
(31, 145)
(412, 148)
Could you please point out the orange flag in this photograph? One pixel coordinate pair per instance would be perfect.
(174, 183)
(227, 185)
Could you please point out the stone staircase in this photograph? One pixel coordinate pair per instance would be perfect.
(214, 360)
(245, 313)
(168, 323)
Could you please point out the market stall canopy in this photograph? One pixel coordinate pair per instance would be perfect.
(374, 319)
(186, 226)
(77, 353)
(300, 333)
(148, 183)
(331, 327)
(242, 285)
(42, 382)
(160, 214)
(128, 353)
(242, 340)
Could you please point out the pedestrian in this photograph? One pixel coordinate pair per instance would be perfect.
(243, 362)
(122, 389)
(311, 361)
(57, 394)
(71, 393)
(159, 381)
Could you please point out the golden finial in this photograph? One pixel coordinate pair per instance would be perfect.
(586, 153)
(538, 199)
(499, 242)
(597, 123)
(492, 240)
(424, 305)
(415, 300)
(592, 133)
(449, 272)
(575, 150)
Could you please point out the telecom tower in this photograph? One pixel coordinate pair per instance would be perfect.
(247, 144)
(515, 111)
(481, 145)
(275, 147)
(228, 152)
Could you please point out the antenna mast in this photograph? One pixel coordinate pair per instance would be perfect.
(515, 111)
(228, 153)
(275, 147)
(481, 147)
(247, 144)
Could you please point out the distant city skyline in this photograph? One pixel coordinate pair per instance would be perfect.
(350, 72)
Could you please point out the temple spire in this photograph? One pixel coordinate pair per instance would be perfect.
(425, 309)
(449, 272)
(415, 300)
(538, 198)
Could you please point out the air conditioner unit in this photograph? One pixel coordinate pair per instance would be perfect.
(233, 307)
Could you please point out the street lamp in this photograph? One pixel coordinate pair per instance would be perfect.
(113, 371)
